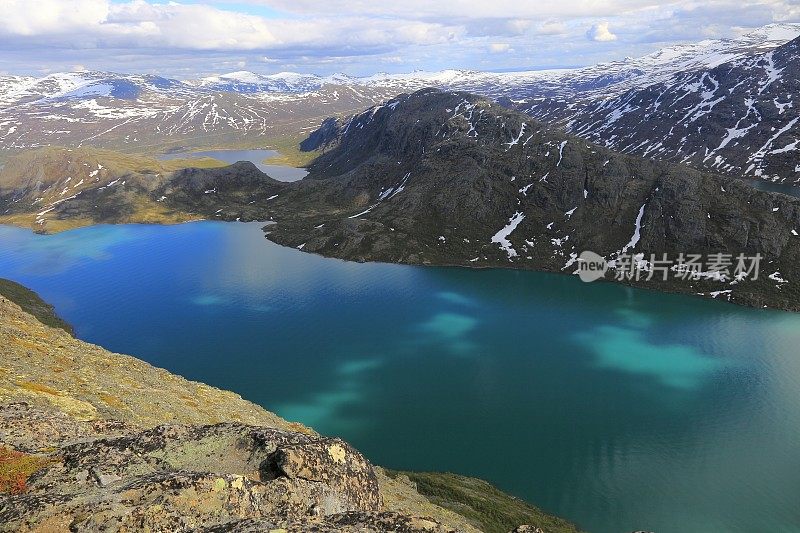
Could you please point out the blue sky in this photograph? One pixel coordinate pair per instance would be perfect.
(191, 38)
(250, 8)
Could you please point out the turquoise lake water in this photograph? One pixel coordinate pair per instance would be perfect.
(619, 409)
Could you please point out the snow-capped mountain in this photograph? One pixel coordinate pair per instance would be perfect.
(115, 111)
(609, 79)
(442, 177)
(741, 117)
(602, 80)
(145, 111)
(16, 90)
(249, 82)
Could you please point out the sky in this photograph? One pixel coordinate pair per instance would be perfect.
(193, 38)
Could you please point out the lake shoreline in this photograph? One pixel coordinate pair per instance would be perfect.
(663, 289)
(261, 158)
(676, 290)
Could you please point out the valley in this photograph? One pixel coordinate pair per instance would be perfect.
(523, 277)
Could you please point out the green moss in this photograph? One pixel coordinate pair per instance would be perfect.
(490, 509)
(195, 162)
(289, 154)
(31, 303)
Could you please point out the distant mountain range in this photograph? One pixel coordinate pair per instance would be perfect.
(740, 117)
(152, 114)
(145, 112)
(602, 80)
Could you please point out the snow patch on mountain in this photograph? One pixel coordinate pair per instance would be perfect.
(501, 237)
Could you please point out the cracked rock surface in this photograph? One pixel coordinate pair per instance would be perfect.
(220, 477)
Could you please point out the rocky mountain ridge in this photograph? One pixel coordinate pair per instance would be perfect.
(450, 178)
(738, 118)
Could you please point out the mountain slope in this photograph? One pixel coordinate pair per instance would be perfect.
(31, 303)
(740, 118)
(53, 189)
(137, 113)
(451, 178)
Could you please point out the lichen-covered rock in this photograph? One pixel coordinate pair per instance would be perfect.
(27, 429)
(334, 463)
(112, 477)
(163, 501)
(345, 523)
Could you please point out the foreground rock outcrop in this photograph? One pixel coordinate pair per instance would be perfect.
(111, 476)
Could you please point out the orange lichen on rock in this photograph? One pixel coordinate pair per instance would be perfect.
(16, 467)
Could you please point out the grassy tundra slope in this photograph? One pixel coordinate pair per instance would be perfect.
(31, 303)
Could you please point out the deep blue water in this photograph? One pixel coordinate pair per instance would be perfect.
(617, 408)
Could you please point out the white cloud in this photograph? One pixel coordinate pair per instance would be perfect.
(551, 27)
(361, 36)
(600, 33)
(86, 24)
(519, 26)
(50, 16)
(461, 9)
(500, 48)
